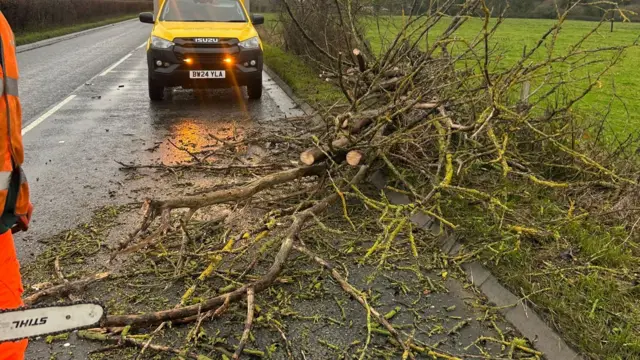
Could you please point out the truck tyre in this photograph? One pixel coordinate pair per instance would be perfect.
(254, 88)
(156, 91)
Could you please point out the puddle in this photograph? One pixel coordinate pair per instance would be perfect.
(191, 138)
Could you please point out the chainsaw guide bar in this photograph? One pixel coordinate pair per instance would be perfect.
(44, 320)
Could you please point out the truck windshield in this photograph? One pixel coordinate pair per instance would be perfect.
(203, 11)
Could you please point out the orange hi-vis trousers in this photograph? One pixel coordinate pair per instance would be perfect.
(10, 292)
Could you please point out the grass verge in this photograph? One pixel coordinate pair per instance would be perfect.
(301, 77)
(39, 35)
(579, 272)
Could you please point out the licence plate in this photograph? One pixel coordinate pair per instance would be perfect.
(207, 74)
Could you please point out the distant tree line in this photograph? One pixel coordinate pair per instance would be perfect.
(544, 9)
(29, 15)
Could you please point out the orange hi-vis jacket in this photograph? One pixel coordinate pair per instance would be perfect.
(14, 190)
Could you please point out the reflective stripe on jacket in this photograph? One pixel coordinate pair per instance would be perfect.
(14, 190)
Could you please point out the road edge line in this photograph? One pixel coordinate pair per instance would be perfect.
(110, 68)
(29, 127)
(55, 40)
(46, 115)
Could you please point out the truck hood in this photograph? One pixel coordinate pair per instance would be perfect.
(170, 30)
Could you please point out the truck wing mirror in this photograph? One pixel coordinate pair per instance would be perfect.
(257, 19)
(146, 17)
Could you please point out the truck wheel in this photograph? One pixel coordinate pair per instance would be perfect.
(156, 92)
(254, 89)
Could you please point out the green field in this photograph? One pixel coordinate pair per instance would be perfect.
(618, 93)
(619, 89)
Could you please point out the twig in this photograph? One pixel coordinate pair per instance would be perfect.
(65, 289)
(286, 341)
(91, 335)
(148, 343)
(156, 236)
(185, 240)
(357, 295)
(510, 343)
(210, 314)
(56, 265)
(185, 150)
(248, 324)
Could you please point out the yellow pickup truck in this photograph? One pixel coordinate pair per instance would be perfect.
(204, 44)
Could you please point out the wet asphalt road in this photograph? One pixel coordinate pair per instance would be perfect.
(50, 73)
(71, 154)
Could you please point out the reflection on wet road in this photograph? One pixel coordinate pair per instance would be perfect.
(196, 121)
(201, 120)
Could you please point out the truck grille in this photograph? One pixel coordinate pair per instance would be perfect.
(190, 43)
(205, 53)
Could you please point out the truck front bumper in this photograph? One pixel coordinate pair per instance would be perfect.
(176, 67)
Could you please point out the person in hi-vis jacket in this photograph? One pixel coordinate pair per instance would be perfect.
(15, 205)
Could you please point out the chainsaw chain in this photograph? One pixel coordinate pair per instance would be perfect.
(53, 333)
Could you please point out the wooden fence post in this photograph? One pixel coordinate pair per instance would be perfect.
(526, 86)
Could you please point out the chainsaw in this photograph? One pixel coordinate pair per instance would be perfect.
(43, 320)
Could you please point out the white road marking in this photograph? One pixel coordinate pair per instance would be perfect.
(46, 115)
(115, 65)
(53, 110)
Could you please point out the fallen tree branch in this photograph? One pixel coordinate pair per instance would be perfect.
(65, 289)
(201, 166)
(200, 318)
(319, 153)
(153, 208)
(185, 240)
(223, 196)
(314, 155)
(340, 80)
(259, 285)
(149, 240)
(185, 150)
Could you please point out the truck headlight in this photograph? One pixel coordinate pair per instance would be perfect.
(160, 43)
(252, 43)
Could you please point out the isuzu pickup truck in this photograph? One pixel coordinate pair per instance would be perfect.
(204, 44)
